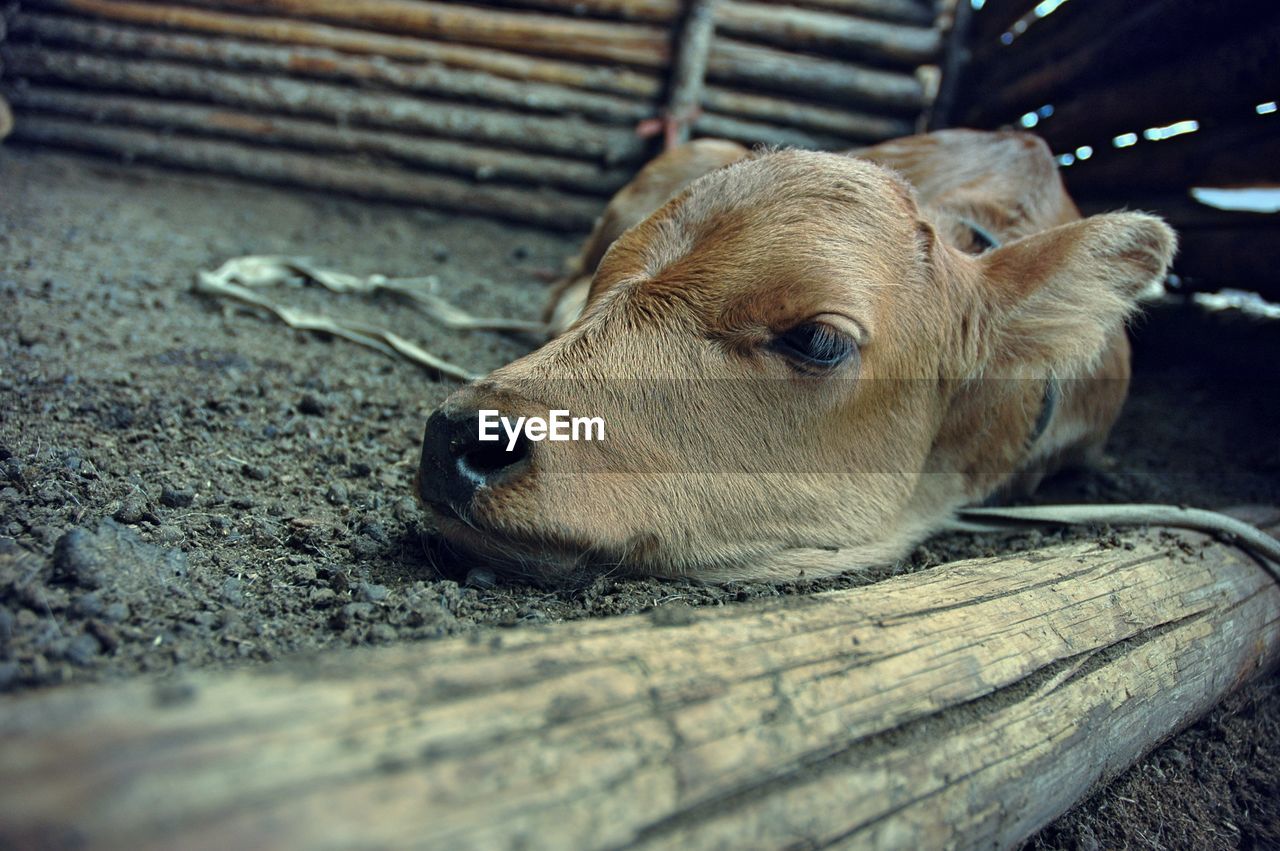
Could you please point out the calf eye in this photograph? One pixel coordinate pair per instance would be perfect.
(815, 346)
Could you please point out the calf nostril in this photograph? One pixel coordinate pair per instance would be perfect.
(483, 462)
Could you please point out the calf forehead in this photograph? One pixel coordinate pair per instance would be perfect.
(789, 220)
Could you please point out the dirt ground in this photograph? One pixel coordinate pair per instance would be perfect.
(187, 485)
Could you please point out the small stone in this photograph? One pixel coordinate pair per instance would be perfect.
(29, 335)
(257, 472)
(83, 650)
(322, 596)
(373, 593)
(233, 591)
(337, 494)
(75, 559)
(170, 534)
(311, 405)
(355, 611)
(241, 503)
(176, 497)
(132, 510)
(116, 613)
(382, 632)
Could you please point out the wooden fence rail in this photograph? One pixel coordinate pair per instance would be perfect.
(963, 706)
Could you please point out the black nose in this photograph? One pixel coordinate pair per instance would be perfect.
(456, 462)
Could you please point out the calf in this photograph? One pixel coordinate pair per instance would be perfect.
(805, 362)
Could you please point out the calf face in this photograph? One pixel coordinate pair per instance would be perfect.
(797, 373)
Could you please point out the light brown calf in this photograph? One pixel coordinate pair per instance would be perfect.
(805, 362)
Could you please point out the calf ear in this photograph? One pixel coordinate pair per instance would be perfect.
(1054, 299)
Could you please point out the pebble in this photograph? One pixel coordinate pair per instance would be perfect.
(176, 497)
(29, 335)
(257, 472)
(242, 503)
(337, 494)
(311, 405)
(132, 510)
(76, 559)
(373, 593)
(233, 591)
(116, 613)
(83, 649)
(322, 596)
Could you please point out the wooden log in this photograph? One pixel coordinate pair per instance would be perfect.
(996, 17)
(631, 44)
(791, 112)
(545, 207)
(689, 73)
(1092, 46)
(324, 63)
(710, 124)
(1236, 154)
(1225, 81)
(730, 61)
(734, 61)
(964, 706)
(559, 135)
(806, 29)
(955, 64)
(644, 85)
(666, 11)
(523, 32)
(476, 162)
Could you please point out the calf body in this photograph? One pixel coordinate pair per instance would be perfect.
(806, 361)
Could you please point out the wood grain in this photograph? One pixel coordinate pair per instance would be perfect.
(964, 705)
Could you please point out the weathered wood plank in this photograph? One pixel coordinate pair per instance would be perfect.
(965, 705)
(567, 136)
(640, 84)
(477, 162)
(548, 208)
(327, 64)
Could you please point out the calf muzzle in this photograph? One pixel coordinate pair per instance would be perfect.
(456, 464)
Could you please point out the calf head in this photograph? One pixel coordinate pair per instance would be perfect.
(797, 375)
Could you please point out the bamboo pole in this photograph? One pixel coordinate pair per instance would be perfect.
(324, 63)
(843, 123)
(643, 85)
(567, 136)
(478, 163)
(544, 207)
(964, 706)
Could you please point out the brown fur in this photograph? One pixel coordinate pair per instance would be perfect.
(766, 473)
